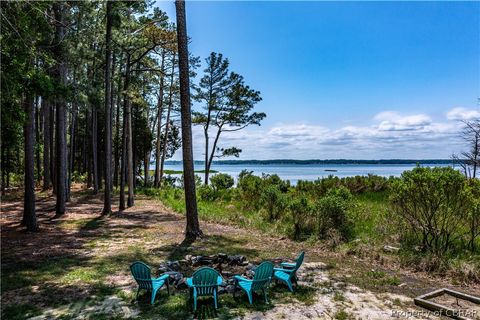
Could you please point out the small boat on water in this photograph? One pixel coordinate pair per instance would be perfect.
(331, 170)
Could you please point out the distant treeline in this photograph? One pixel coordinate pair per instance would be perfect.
(317, 161)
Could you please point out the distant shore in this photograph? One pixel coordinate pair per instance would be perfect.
(318, 161)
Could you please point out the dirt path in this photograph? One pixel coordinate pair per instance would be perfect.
(91, 252)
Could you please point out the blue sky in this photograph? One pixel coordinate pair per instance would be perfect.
(357, 80)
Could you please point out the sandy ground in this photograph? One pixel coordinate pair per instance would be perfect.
(334, 300)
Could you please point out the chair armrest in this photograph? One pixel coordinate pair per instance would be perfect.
(239, 278)
(283, 270)
(222, 281)
(288, 264)
(163, 277)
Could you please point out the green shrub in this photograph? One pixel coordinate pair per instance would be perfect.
(250, 187)
(435, 204)
(221, 181)
(149, 192)
(332, 213)
(300, 209)
(177, 194)
(340, 192)
(474, 214)
(78, 177)
(273, 201)
(275, 180)
(357, 184)
(319, 187)
(169, 181)
(207, 193)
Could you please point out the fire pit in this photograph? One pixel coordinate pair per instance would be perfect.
(226, 265)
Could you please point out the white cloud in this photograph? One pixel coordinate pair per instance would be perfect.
(389, 135)
(297, 130)
(393, 121)
(463, 114)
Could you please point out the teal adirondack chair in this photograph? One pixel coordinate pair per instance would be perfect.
(142, 274)
(204, 282)
(261, 279)
(288, 272)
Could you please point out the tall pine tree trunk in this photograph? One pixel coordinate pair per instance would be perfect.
(167, 123)
(131, 170)
(60, 129)
(205, 181)
(29, 218)
(117, 131)
(46, 144)
(38, 159)
(126, 101)
(116, 168)
(94, 148)
(116, 159)
(123, 159)
(192, 230)
(84, 145)
(159, 123)
(7, 171)
(107, 206)
(146, 157)
(73, 126)
(88, 132)
(53, 172)
(4, 163)
(212, 154)
(130, 167)
(145, 168)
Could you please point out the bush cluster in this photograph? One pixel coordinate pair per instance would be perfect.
(439, 208)
(251, 188)
(434, 213)
(304, 212)
(221, 181)
(357, 184)
(434, 209)
(219, 187)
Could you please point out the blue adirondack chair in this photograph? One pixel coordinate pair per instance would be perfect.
(142, 274)
(204, 282)
(288, 272)
(261, 279)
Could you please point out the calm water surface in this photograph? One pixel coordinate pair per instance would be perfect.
(295, 172)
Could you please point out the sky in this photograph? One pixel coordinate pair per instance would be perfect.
(356, 80)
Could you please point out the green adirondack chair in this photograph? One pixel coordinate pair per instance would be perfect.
(204, 282)
(142, 274)
(261, 279)
(288, 274)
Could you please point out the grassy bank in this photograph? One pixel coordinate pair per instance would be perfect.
(370, 211)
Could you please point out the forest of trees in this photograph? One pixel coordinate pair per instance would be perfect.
(92, 92)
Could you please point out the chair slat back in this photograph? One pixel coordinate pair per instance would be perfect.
(299, 261)
(263, 275)
(142, 274)
(205, 280)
